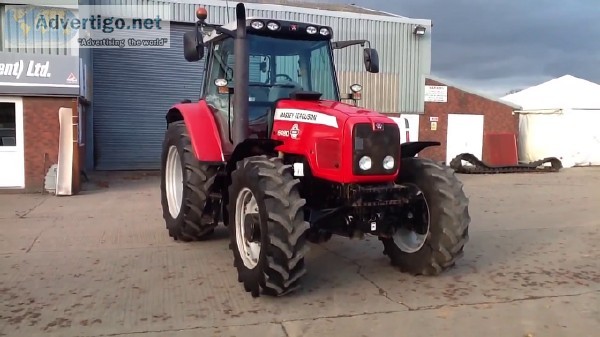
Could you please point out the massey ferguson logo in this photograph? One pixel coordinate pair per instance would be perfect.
(379, 126)
(294, 131)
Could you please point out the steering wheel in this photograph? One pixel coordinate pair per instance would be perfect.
(289, 83)
(286, 76)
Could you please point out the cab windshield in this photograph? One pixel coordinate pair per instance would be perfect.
(278, 67)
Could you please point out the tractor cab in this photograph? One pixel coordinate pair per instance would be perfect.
(286, 60)
(281, 63)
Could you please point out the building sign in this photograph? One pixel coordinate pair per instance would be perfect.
(436, 93)
(39, 74)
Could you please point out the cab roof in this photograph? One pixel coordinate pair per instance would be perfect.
(212, 34)
(320, 5)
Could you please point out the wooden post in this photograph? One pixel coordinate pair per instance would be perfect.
(76, 169)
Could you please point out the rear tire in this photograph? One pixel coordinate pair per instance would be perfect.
(449, 219)
(185, 185)
(270, 245)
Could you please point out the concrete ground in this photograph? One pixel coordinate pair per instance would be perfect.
(101, 264)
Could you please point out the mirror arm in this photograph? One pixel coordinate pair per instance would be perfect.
(224, 31)
(344, 44)
(218, 28)
(199, 37)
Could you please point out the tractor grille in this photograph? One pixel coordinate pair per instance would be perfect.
(376, 144)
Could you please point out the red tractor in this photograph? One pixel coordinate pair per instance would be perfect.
(271, 151)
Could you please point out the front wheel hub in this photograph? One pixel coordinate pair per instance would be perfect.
(412, 233)
(247, 228)
(252, 228)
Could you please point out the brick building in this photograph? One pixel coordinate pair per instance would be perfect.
(467, 121)
(33, 88)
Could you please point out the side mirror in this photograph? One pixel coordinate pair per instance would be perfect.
(193, 50)
(193, 43)
(371, 60)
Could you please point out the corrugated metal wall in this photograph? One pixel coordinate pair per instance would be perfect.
(133, 90)
(405, 59)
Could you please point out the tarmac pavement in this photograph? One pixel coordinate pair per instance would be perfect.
(102, 264)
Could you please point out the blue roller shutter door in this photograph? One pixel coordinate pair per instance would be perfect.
(133, 90)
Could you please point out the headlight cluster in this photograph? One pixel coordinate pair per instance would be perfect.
(375, 148)
(275, 26)
(366, 163)
(271, 25)
(313, 30)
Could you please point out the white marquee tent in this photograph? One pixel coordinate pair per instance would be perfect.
(560, 118)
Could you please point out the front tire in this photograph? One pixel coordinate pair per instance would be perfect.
(267, 227)
(448, 220)
(185, 186)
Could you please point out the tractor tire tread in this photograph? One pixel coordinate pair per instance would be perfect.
(449, 214)
(283, 265)
(193, 224)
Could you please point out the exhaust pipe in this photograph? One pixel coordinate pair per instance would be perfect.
(241, 78)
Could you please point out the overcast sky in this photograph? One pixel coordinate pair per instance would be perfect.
(498, 45)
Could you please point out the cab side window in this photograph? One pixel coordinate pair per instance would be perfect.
(320, 73)
(221, 66)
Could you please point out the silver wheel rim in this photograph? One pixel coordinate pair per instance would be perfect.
(246, 205)
(174, 181)
(408, 240)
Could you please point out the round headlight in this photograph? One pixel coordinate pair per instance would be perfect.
(356, 88)
(365, 163)
(388, 162)
(257, 24)
(273, 25)
(220, 82)
(311, 30)
(324, 31)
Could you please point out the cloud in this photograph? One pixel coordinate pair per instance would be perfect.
(500, 45)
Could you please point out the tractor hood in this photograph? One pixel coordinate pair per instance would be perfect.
(324, 112)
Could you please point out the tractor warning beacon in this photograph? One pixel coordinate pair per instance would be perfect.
(271, 151)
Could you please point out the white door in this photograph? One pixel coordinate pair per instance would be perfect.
(465, 135)
(12, 150)
(409, 127)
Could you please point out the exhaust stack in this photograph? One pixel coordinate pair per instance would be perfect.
(241, 78)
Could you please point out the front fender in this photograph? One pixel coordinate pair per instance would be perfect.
(411, 149)
(202, 129)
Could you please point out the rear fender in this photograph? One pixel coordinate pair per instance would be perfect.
(411, 149)
(202, 129)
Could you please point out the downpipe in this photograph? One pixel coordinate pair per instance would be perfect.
(241, 78)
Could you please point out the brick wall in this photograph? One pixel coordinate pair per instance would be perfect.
(40, 121)
(498, 118)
